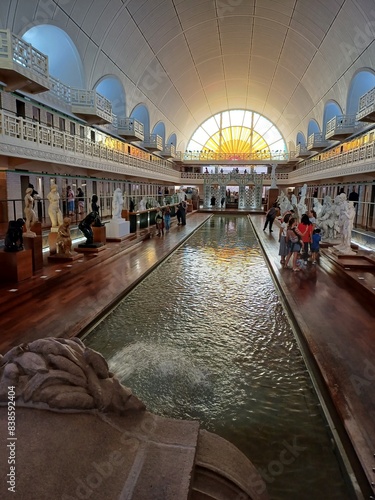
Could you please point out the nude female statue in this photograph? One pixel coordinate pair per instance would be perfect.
(30, 215)
(54, 211)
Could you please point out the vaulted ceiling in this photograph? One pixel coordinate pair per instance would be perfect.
(189, 59)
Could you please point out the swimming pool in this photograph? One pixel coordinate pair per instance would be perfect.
(205, 336)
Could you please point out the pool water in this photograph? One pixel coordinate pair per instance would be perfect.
(205, 337)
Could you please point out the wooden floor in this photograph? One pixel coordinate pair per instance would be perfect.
(337, 322)
(335, 319)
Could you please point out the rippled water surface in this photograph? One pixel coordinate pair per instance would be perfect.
(205, 337)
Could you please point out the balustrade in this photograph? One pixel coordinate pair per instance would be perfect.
(21, 65)
(342, 126)
(91, 106)
(366, 108)
(317, 142)
(302, 151)
(153, 142)
(43, 138)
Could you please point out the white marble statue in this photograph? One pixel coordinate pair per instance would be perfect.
(345, 222)
(181, 195)
(54, 211)
(142, 205)
(30, 215)
(284, 203)
(294, 202)
(318, 207)
(326, 220)
(117, 204)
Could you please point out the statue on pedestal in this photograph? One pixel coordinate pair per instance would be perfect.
(117, 204)
(54, 211)
(30, 215)
(346, 221)
(85, 226)
(95, 208)
(64, 241)
(14, 237)
(327, 219)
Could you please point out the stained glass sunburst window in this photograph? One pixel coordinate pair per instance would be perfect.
(237, 131)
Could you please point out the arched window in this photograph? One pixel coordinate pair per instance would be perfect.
(237, 131)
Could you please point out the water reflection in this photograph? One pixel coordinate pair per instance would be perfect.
(205, 337)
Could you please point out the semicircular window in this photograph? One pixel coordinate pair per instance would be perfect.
(237, 132)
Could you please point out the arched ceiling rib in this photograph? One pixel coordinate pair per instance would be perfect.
(189, 59)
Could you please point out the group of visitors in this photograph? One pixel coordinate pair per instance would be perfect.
(163, 217)
(298, 239)
(71, 200)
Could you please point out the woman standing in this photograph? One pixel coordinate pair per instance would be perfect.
(70, 200)
(306, 229)
(81, 201)
(293, 238)
(283, 247)
(167, 218)
(159, 222)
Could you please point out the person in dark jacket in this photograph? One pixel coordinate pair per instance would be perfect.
(270, 217)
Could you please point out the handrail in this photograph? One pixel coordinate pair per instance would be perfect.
(34, 135)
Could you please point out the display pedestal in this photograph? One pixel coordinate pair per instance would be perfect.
(63, 257)
(117, 229)
(52, 237)
(16, 266)
(92, 248)
(99, 234)
(35, 244)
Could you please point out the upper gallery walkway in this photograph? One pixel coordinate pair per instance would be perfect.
(335, 320)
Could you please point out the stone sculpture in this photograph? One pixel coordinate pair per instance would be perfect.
(327, 220)
(117, 204)
(301, 205)
(85, 226)
(54, 211)
(13, 241)
(346, 221)
(142, 205)
(318, 207)
(30, 215)
(63, 374)
(284, 203)
(96, 208)
(63, 240)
